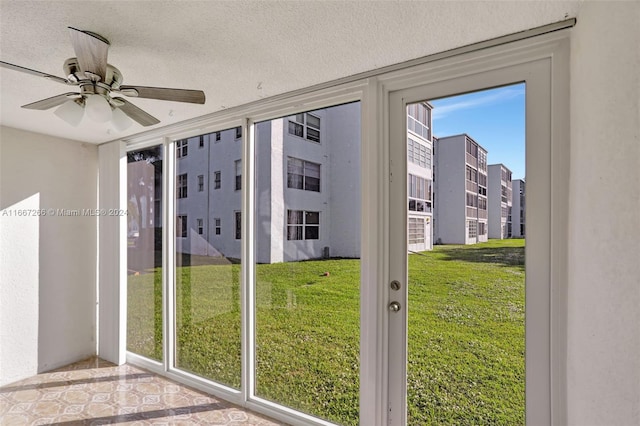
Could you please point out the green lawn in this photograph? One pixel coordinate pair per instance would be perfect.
(466, 332)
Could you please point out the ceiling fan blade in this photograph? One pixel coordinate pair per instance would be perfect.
(52, 102)
(34, 72)
(135, 113)
(164, 94)
(91, 50)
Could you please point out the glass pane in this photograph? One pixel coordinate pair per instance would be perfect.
(294, 217)
(312, 218)
(311, 169)
(295, 129)
(466, 293)
(313, 121)
(207, 287)
(313, 135)
(144, 252)
(312, 184)
(308, 274)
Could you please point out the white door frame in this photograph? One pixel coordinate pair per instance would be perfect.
(543, 66)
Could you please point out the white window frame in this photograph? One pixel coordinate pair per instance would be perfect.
(546, 395)
(304, 175)
(182, 190)
(182, 148)
(182, 225)
(305, 126)
(303, 225)
(200, 183)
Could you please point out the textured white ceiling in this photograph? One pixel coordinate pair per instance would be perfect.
(236, 51)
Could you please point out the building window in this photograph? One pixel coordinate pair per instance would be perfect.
(238, 217)
(238, 175)
(416, 230)
(473, 228)
(238, 132)
(218, 136)
(181, 226)
(305, 125)
(472, 174)
(482, 204)
(303, 225)
(181, 148)
(419, 192)
(419, 119)
(482, 179)
(419, 153)
(216, 222)
(482, 228)
(201, 142)
(200, 226)
(482, 160)
(200, 183)
(216, 179)
(472, 148)
(303, 174)
(182, 186)
(472, 200)
(505, 175)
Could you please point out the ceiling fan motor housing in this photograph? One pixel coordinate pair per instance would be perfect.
(113, 77)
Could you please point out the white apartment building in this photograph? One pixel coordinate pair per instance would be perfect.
(500, 204)
(461, 190)
(519, 208)
(420, 177)
(303, 162)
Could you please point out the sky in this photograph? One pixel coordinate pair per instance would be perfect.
(494, 118)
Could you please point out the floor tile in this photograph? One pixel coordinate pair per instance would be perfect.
(96, 392)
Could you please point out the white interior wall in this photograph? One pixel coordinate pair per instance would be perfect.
(603, 364)
(47, 263)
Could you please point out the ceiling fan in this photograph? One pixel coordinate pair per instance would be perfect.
(98, 81)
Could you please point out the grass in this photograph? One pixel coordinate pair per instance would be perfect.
(466, 335)
(466, 332)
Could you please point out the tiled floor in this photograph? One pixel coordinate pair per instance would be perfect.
(95, 392)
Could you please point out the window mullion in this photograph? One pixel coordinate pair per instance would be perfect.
(247, 289)
(168, 220)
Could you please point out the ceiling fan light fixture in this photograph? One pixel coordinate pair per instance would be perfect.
(71, 112)
(120, 120)
(98, 108)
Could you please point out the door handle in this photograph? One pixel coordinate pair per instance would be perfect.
(394, 306)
